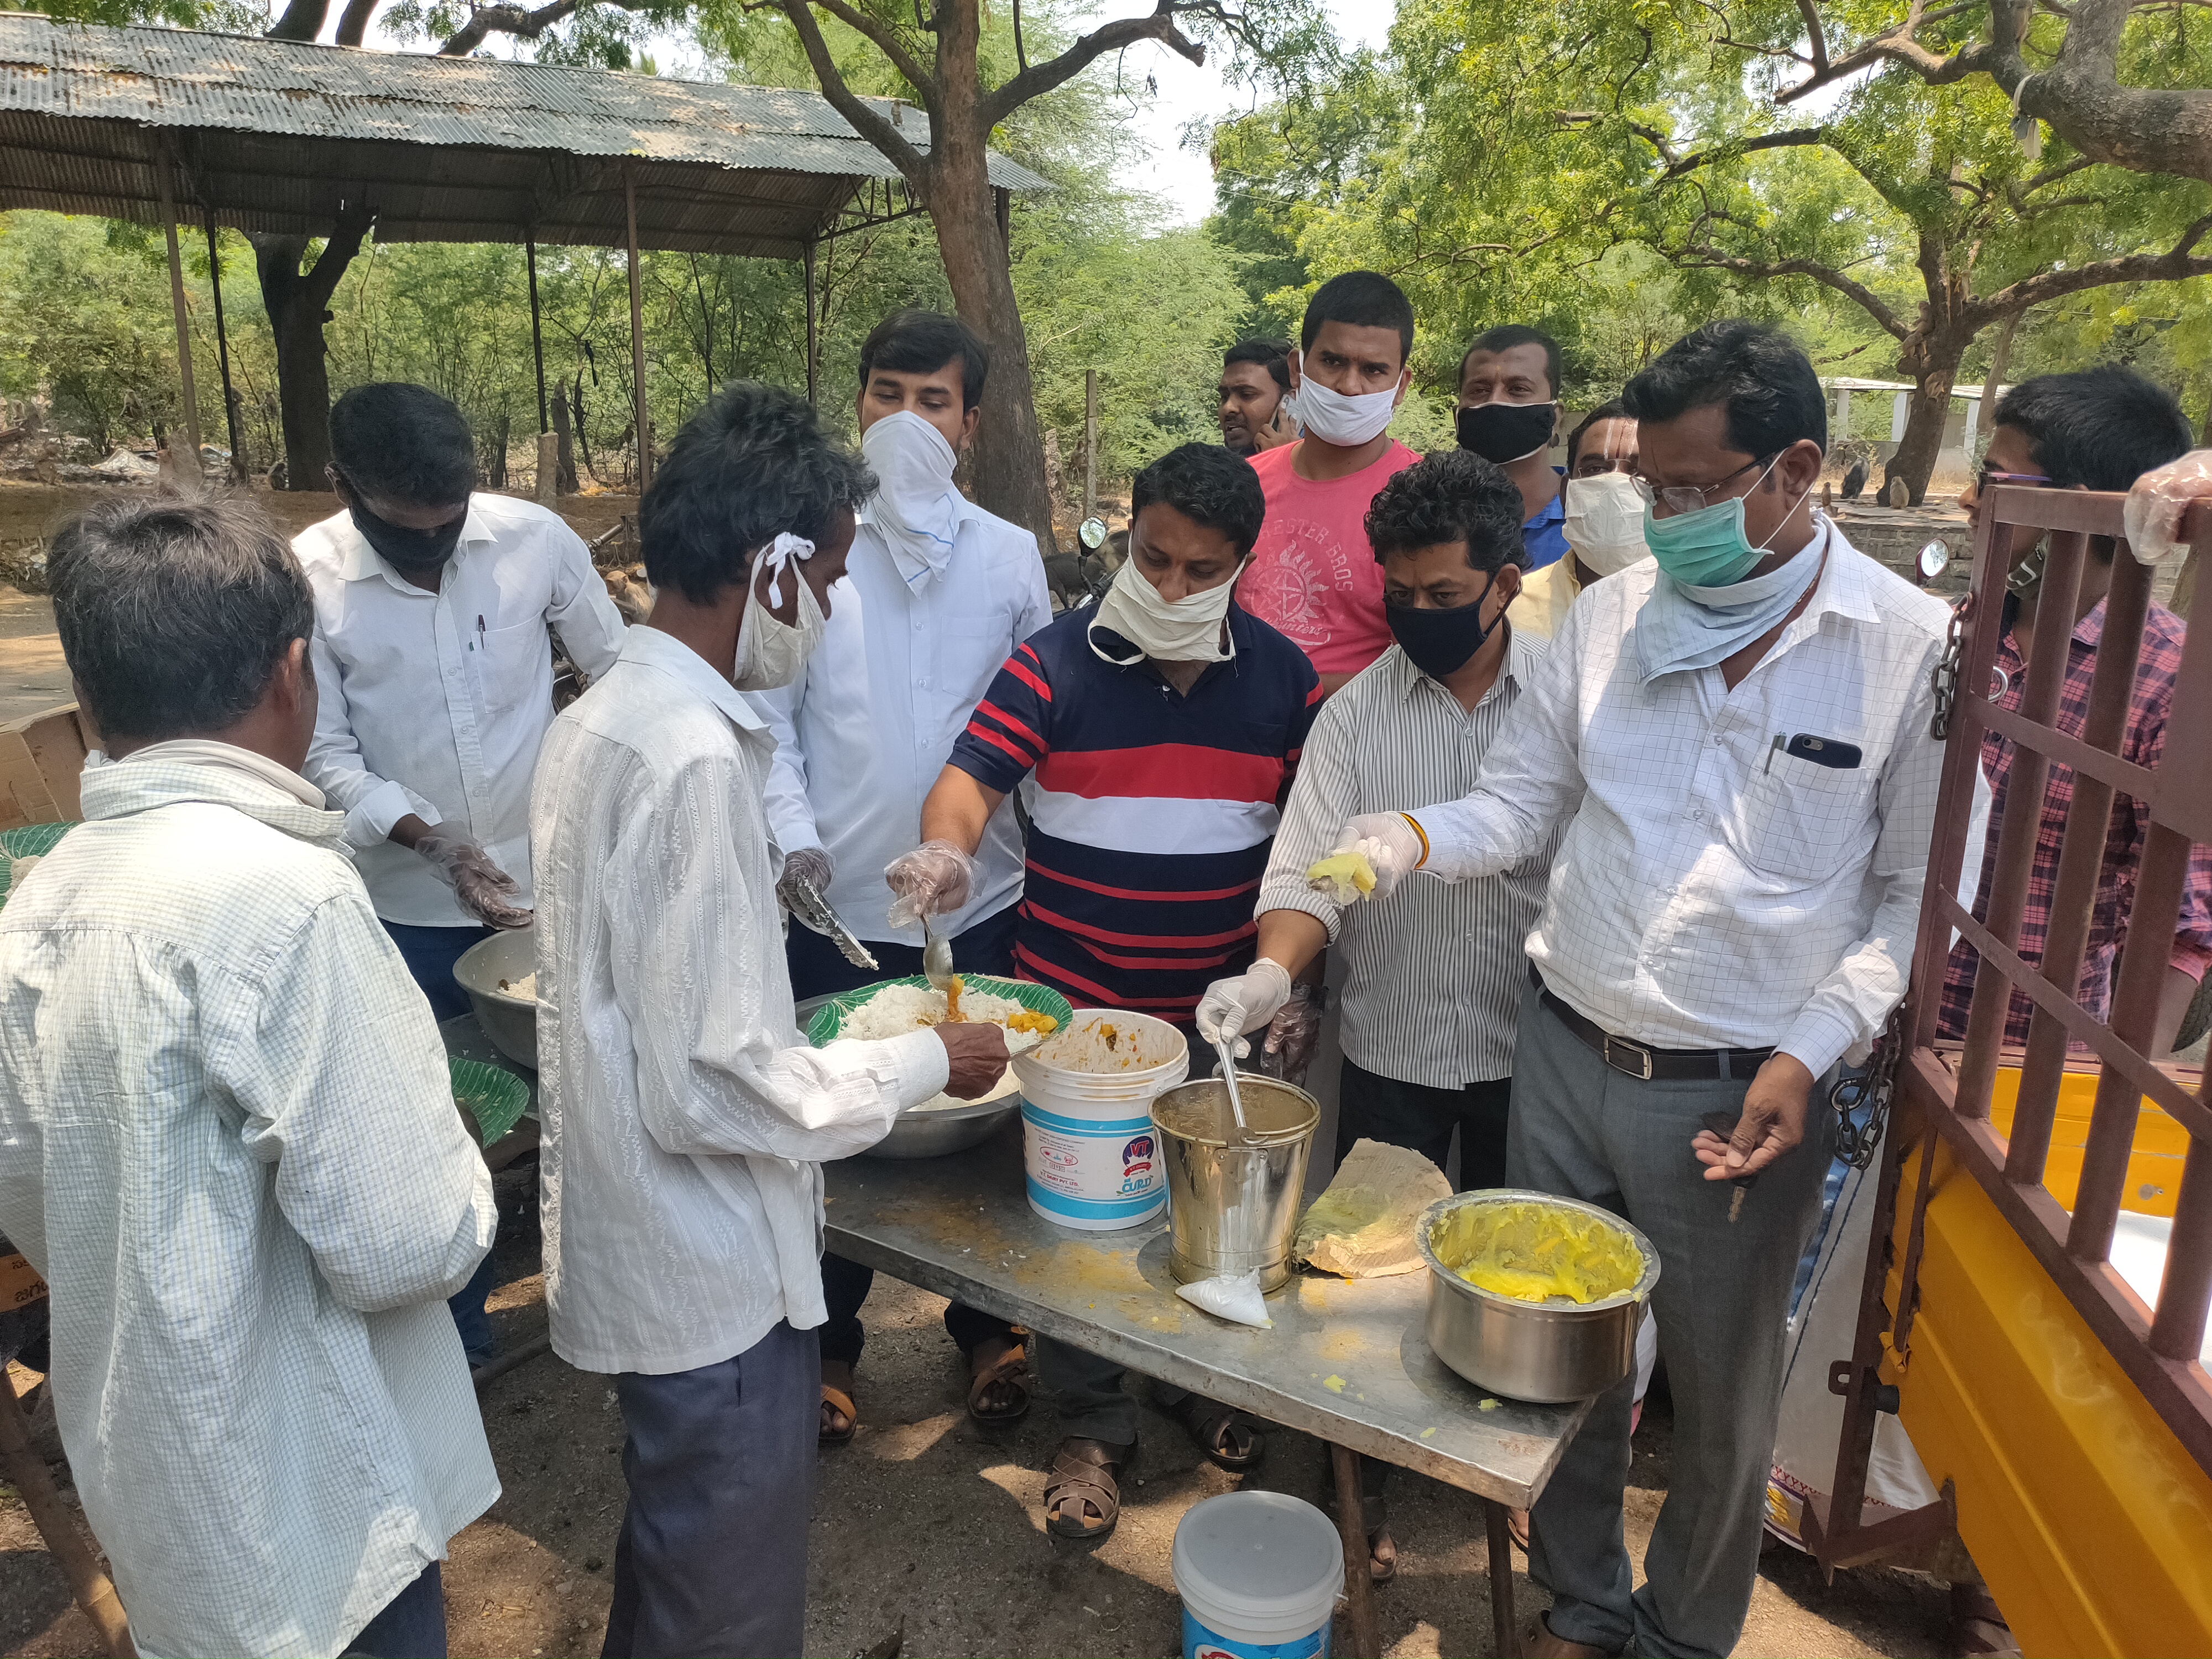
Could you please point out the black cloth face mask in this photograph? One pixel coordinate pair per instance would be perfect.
(1439, 642)
(1502, 432)
(406, 549)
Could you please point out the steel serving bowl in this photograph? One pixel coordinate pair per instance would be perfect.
(1541, 1352)
(937, 1133)
(510, 1021)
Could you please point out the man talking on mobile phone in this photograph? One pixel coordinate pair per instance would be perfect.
(1737, 739)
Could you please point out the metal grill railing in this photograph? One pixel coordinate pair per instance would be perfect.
(1949, 1094)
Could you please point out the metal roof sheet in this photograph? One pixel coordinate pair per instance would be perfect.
(274, 135)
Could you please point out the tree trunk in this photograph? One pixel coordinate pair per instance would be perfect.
(296, 302)
(1926, 406)
(565, 445)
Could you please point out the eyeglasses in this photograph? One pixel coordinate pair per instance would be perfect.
(1986, 475)
(1689, 498)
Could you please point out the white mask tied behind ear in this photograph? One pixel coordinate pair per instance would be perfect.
(915, 507)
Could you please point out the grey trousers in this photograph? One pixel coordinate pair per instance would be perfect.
(720, 1461)
(1088, 1393)
(1582, 1130)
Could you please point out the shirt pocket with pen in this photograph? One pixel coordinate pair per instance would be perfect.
(1804, 820)
(515, 666)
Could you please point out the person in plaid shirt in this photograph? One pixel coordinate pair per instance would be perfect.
(2098, 430)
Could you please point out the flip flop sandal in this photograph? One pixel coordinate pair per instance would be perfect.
(1230, 1439)
(1085, 1477)
(1516, 1528)
(1382, 1548)
(1011, 1369)
(838, 1400)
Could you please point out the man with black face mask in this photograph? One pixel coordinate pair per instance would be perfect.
(1432, 989)
(1509, 413)
(434, 668)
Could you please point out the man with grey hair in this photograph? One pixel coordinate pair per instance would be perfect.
(227, 1138)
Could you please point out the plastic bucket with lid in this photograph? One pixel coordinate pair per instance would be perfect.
(1259, 1573)
(1090, 1152)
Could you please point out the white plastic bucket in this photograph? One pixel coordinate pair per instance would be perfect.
(1259, 1573)
(1090, 1152)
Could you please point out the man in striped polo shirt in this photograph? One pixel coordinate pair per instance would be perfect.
(1157, 735)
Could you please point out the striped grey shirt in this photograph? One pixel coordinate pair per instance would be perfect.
(1432, 989)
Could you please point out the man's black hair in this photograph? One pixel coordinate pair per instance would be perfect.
(1615, 411)
(1452, 496)
(1767, 386)
(1363, 298)
(402, 443)
(915, 342)
(1274, 355)
(1209, 485)
(1505, 338)
(2096, 429)
(754, 462)
(173, 614)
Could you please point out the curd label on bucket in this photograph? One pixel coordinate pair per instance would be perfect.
(1092, 1171)
(1200, 1643)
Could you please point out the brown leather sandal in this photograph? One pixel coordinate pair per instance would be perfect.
(1083, 1497)
(1011, 1369)
(839, 1400)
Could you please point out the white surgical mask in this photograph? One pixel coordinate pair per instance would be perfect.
(1604, 522)
(772, 653)
(915, 509)
(1180, 630)
(1335, 418)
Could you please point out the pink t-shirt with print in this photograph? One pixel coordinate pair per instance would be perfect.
(1313, 574)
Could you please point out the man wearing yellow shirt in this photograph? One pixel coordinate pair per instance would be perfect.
(1603, 522)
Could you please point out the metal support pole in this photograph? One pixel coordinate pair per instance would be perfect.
(1090, 442)
(222, 355)
(643, 427)
(537, 337)
(813, 344)
(191, 412)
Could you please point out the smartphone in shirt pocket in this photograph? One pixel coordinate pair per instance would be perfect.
(1806, 811)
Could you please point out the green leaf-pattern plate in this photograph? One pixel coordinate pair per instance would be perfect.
(828, 1022)
(33, 841)
(493, 1098)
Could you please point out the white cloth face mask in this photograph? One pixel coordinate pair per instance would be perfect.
(1604, 522)
(772, 652)
(1179, 630)
(1335, 418)
(915, 507)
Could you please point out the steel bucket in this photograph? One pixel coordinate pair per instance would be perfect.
(1233, 1206)
(1529, 1350)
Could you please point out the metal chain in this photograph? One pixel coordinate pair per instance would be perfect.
(1859, 1140)
(1946, 677)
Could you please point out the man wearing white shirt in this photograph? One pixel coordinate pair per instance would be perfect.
(937, 593)
(227, 1138)
(1737, 739)
(433, 606)
(685, 1114)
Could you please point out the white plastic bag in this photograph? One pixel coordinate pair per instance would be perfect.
(1235, 1299)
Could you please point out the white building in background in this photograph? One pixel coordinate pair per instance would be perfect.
(1964, 423)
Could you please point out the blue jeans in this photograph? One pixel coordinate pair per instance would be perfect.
(720, 1461)
(411, 1626)
(430, 954)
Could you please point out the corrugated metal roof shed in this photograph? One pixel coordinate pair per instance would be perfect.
(276, 135)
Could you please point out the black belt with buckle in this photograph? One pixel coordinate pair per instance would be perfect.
(1645, 1063)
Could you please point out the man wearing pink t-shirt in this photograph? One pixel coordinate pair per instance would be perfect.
(1312, 575)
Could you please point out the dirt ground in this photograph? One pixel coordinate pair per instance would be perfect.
(929, 1524)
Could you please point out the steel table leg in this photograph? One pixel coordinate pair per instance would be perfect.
(1507, 1628)
(1366, 1630)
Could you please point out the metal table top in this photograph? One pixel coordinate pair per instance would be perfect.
(1346, 1360)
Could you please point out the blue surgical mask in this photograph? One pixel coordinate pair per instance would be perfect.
(1707, 548)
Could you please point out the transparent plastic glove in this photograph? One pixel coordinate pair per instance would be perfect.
(933, 880)
(812, 864)
(484, 889)
(1294, 1030)
(2155, 505)
(1388, 842)
(1245, 1002)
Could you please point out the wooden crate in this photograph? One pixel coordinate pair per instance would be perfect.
(42, 757)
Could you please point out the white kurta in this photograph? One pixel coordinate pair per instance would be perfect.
(435, 704)
(227, 1140)
(684, 1114)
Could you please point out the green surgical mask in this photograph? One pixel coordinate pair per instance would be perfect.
(1707, 548)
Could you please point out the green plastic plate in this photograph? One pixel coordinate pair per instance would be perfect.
(33, 841)
(828, 1024)
(494, 1099)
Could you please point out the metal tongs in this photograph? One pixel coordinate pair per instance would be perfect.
(804, 900)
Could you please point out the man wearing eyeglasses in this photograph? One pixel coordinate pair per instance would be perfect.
(1737, 739)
